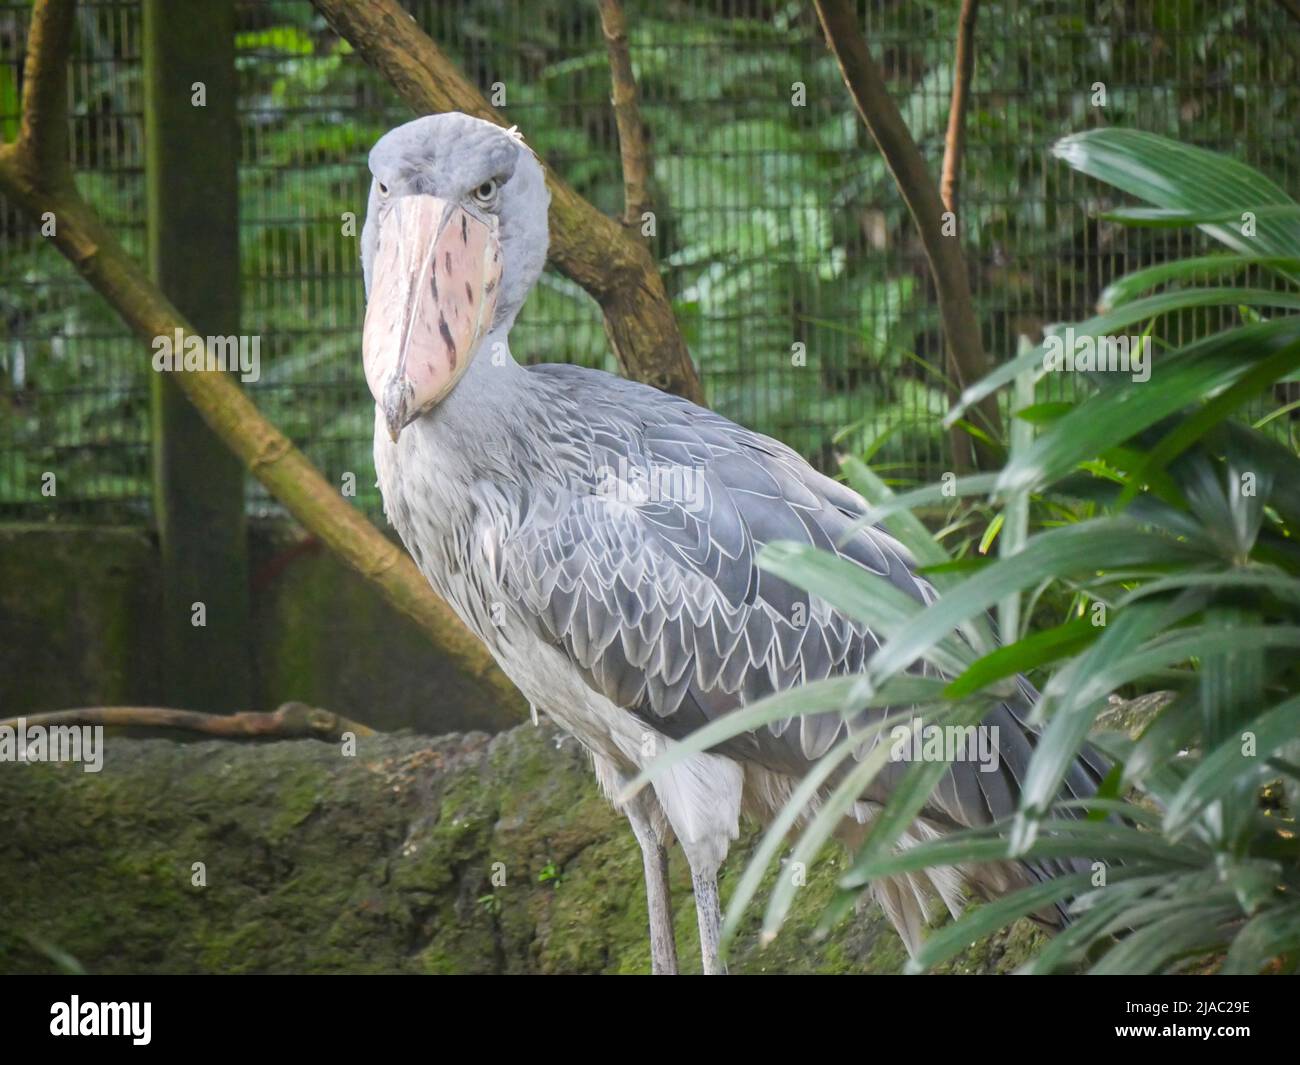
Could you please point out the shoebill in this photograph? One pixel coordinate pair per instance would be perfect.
(538, 502)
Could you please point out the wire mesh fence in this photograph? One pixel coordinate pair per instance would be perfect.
(796, 274)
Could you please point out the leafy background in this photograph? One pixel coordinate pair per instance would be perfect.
(778, 224)
(1156, 529)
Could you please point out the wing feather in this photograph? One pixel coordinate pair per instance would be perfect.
(660, 602)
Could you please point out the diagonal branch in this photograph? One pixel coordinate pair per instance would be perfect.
(586, 245)
(955, 140)
(633, 146)
(879, 113)
(43, 130)
(42, 182)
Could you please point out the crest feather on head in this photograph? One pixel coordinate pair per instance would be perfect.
(515, 132)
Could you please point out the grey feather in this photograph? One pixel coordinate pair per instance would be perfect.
(704, 628)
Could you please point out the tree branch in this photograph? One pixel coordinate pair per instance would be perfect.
(290, 721)
(633, 146)
(954, 144)
(43, 128)
(43, 183)
(967, 361)
(586, 245)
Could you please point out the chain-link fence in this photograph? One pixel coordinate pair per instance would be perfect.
(777, 223)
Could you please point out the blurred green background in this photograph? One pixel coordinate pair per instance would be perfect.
(777, 223)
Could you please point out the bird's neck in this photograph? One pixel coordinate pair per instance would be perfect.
(478, 432)
(492, 385)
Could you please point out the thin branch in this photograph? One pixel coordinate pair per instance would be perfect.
(1132, 715)
(879, 113)
(954, 144)
(290, 721)
(586, 245)
(41, 185)
(633, 145)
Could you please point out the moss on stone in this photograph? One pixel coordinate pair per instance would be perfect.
(383, 862)
(76, 609)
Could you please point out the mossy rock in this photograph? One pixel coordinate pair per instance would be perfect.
(293, 856)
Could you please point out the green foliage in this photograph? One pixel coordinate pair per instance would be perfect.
(1166, 524)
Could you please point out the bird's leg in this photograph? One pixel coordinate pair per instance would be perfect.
(708, 910)
(663, 945)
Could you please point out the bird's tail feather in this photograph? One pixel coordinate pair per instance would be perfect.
(968, 796)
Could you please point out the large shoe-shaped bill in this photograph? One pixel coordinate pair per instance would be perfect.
(433, 292)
